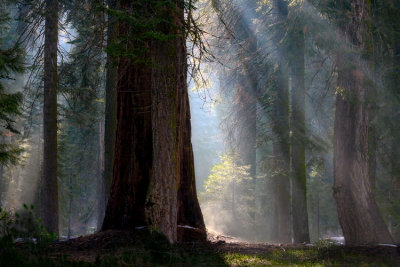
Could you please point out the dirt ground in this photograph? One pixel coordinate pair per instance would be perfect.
(93, 247)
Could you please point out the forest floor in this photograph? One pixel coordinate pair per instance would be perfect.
(118, 248)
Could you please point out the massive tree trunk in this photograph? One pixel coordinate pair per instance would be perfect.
(110, 124)
(297, 141)
(358, 213)
(133, 160)
(153, 155)
(50, 187)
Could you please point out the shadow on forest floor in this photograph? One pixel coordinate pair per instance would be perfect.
(118, 248)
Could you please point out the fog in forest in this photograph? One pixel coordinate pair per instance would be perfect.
(227, 158)
(248, 51)
(262, 90)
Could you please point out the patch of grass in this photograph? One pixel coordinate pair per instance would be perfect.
(172, 258)
(154, 250)
(305, 257)
(236, 259)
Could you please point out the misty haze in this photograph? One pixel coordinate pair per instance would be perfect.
(199, 133)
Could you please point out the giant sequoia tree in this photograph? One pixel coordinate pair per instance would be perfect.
(153, 180)
(358, 212)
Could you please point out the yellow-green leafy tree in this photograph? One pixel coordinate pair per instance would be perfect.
(229, 191)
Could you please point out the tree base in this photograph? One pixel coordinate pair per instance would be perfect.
(190, 234)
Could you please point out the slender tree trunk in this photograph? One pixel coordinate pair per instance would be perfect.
(358, 213)
(317, 215)
(394, 152)
(3, 184)
(246, 107)
(372, 146)
(297, 141)
(3, 178)
(69, 208)
(233, 201)
(50, 187)
(248, 131)
(281, 156)
(110, 124)
(100, 174)
(280, 128)
(373, 106)
(274, 225)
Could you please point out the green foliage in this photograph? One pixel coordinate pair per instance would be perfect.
(144, 23)
(332, 256)
(229, 189)
(178, 256)
(24, 227)
(11, 64)
(82, 85)
(224, 177)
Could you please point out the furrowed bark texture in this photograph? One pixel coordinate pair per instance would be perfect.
(110, 123)
(189, 212)
(50, 187)
(358, 213)
(133, 161)
(166, 86)
(153, 181)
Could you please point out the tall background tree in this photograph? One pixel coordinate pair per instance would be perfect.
(50, 185)
(110, 123)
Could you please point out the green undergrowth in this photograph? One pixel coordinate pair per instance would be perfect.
(176, 256)
(305, 257)
(152, 249)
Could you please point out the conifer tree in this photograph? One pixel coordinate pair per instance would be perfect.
(50, 185)
(153, 149)
(362, 224)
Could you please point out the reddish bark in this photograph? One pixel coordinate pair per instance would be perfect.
(133, 149)
(189, 212)
(358, 212)
(153, 166)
